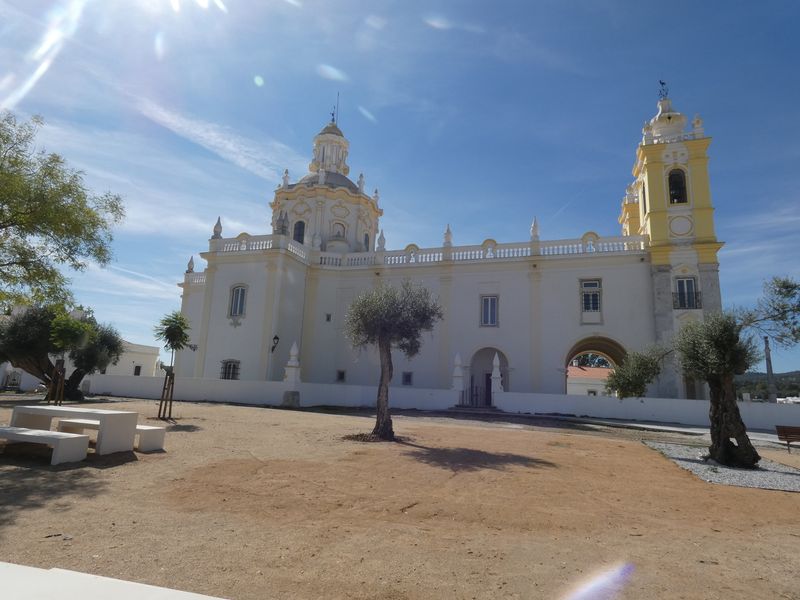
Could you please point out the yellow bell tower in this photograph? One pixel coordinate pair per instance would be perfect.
(671, 180)
(669, 202)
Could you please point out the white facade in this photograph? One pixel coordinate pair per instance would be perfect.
(534, 304)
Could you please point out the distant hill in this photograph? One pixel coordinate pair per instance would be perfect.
(755, 384)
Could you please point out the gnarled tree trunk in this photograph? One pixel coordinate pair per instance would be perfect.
(726, 424)
(383, 420)
(72, 390)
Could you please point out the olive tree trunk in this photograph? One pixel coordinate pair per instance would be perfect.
(72, 391)
(383, 420)
(727, 425)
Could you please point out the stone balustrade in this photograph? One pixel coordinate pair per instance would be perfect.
(588, 245)
(196, 278)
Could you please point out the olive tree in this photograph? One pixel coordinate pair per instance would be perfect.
(390, 317)
(31, 337)
(48, 218)
(715, 350)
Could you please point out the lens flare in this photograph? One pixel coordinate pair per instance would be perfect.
(332, 73)
(258, 80)
(61, 22)
(603, 585)
(159, 46)
(367, 115)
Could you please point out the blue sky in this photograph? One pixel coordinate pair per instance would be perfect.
(477, 114)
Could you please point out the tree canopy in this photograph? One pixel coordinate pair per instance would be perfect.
(48, 217)
(30, 337)
(631, 378)
(173, 330)
(389, 316)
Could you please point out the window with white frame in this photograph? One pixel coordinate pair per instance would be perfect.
(591, 290)
(299, 232)
(237, 304)
(229, 369)
(489, 311)
(686, 294)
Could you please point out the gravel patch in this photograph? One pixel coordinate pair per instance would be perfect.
(769, 476)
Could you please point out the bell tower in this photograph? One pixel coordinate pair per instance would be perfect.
(324, 209)
(669, 202)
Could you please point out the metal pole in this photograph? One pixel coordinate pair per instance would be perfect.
(772, 390)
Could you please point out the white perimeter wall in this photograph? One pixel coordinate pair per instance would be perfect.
(756, 415)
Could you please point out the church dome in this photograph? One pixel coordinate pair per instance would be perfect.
(331, 128)
(332, 179)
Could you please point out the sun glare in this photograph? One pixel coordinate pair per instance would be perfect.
(204, 4)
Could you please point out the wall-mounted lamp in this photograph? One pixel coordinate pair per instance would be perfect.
(192, 347)
(275, 340)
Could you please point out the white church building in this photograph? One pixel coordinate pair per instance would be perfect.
(532, 306)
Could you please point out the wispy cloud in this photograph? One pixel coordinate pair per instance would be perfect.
(444, 24)
(332, 73)
(512, 46)
(266, 160)
(119, 281)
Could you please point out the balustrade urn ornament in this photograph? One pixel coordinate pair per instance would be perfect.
(381, 242)
(534, 230)
(285, 178)
(217, 230)
(361, 183)
(376, 196)
(190, 265)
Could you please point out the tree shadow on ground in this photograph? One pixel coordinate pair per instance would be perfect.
(468, 459)
(172, 425)
(28, 482)
(526, 420)
(177, 427)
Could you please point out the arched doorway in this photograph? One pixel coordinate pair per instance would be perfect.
(588, 364)
(480, 376)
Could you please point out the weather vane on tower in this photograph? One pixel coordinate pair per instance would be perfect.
(335, 111)
(663, 93)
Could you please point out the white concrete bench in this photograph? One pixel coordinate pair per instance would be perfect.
(67, 447)
(150, 437)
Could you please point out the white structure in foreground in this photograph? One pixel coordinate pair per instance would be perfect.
(529, 307)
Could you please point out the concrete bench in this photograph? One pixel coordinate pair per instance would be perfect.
(150, 437)
(67, 447)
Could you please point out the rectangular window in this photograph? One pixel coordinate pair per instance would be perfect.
(230, 369)
(590, 295)
(137, 370)
(408, 378)
(341, 376)
(237, 301)
(686, 296)
(591, 392)
(328, 317)
(488, 311)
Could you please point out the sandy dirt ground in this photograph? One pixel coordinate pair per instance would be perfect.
(254, 503)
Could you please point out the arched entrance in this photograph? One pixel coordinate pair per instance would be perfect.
(588, 364)
(480, 376)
